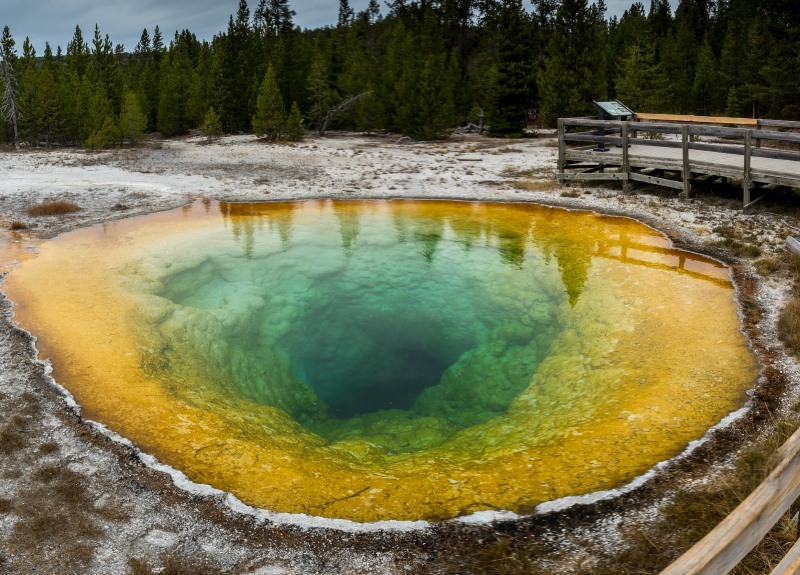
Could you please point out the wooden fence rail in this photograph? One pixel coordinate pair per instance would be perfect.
(613, 150)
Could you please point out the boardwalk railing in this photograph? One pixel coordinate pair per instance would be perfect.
(728, 543)
(667, 150)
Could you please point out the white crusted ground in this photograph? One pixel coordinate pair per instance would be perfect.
(130, 517)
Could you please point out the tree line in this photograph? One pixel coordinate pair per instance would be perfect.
(421, 69)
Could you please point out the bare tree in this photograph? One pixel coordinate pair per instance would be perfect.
(8, 104)
(338, 109)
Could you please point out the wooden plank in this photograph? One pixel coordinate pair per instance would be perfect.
(593, 123)
(780, 136)
(594, 157)
(592, 138)
(593, 177)
(716, 131)
(667, 183)
(658, 143)
(561, 146)
(777, 154)
(721, 148)
(790, 565)
(712, 169)
(777, 180)
(779, 124)
(727, 544)
(698, 119)
(657, 127)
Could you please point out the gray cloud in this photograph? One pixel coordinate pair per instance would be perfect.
(123, 20)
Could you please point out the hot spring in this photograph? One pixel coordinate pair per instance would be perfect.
(375, 360)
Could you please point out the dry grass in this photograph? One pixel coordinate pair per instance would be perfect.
(535, 185)
(54, 208)
(499, 554)
(768, 266)
(737, 242)
(171, 566)
(13, 437)
(6, 505)
(17, 225)
(789, 325)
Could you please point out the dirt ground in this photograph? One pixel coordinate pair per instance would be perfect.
(76, 499)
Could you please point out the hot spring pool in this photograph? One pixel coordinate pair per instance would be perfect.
(374, 360)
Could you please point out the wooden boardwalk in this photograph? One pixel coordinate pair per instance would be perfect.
(672, 154)
(677, 152)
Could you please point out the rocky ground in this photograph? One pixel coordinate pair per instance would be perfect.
(73, 499)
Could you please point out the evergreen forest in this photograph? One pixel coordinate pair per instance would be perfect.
(416, 67)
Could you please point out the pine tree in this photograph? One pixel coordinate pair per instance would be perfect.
(659, 17)
(513, 86)
(98, 129)
(26, 72)
(639, 83)
(176, 77)
(573, 74)
(705, 89)
(758, 65)
(77, 53)
(346, 14)
(320, 90)
(269, 120)
(281, 15)
(199, 96)
(47, 106)
(211, 127)
(132, 121)
(294, 124)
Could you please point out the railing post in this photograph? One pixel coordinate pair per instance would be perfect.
(562, 147)
(687, 187)
(758, 127)
(746, 178)
(626, 165)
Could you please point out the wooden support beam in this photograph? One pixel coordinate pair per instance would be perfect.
(626, 166)
(562, 146)
(650, 179)
(747, 181)
(687, 186)
(592, 177)
(747, 207)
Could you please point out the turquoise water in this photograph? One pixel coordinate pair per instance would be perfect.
(371, 316)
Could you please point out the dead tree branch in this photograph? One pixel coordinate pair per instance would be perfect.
(8, 104)
(338, 109)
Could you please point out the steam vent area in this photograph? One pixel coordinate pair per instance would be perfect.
(390, 360)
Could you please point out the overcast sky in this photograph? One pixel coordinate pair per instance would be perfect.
(123, 20)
